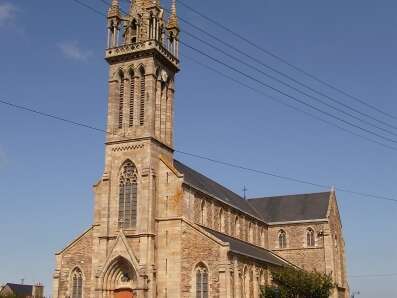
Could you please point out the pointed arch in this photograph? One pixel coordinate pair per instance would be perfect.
(282, 239)
(120, 274)
(246, 282)
(310, 238)
(250, 233)
(132, 97)
(121, 98)
(76, 283)
(237, 223)
(128, 195)
(221, 220)
(134, 31)
(203, 213)
(142, 95)
(201, 281)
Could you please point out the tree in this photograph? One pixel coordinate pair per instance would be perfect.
(296, 283)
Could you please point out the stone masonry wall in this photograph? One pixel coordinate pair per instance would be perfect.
(76, 256)
(297, 251)
(197, 248)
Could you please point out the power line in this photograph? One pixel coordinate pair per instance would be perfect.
(286, 94)
(90, 7)
(279, 58)
(373, 275)
(216, 38)
(302, 102)
(293, 98)
(51, 115)
(282, 102)
(280, 73)
(292, 87)
(299, 101)
(275, 175)
(202, 157)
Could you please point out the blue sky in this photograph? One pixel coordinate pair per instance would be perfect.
(51, 58)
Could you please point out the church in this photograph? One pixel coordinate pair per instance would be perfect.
(162, 229)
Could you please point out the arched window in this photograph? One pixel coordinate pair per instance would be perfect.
(251, 283)
(121, 99)
(235, 227)
(128, 195)
(310, 241)
(132, 98)
(246, 283)
(221, 221)
(77, 283)
(142, 98)
(282, 239)
(201, 281)
(203, 214)
(134, 31)
(262, 238)
(250, 233)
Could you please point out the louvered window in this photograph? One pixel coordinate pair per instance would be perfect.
(121, 101)
(142, 99)
(132, 99)
(128, 196)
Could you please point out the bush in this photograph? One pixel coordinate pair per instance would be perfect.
(294, 283)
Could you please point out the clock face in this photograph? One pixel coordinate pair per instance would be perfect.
(164, 76)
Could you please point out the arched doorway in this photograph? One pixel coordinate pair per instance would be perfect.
(119, 280)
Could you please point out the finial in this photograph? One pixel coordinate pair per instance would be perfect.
(173, 20)
(173, 7)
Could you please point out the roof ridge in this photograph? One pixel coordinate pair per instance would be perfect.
(290, 195)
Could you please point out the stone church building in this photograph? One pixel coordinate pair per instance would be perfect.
(161, 229)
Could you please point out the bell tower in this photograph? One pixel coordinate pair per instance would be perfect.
(142, 52)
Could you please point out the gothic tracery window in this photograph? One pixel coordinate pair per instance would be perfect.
(128, 195)
(282, 239)
(77, 283)
(201, 281)
(310, 241)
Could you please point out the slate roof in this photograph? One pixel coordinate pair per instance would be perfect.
(249, 250)
(20, 290)
(287, 208)
(209, 186)
(292, 207)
